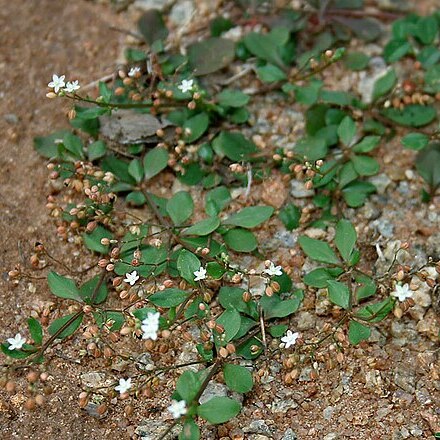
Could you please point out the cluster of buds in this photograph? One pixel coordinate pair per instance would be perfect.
(236, 168)
(306, 171)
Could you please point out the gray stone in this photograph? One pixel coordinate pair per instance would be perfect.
(331, 436)
(91, 409)
(298, 190)
(322, 304)
(304, 376)
(370, 211)
(11, 118)
(145, 5)
(95, 379)
(154, 429)
(258, 427)
(378, 68)
(328, 412)
(283, 405)
(214, 389)
(289, 434)
(405, 379)
(384, 227)
(182, 12)
(306, 321)
(381, 182)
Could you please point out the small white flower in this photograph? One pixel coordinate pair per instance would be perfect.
(290, 338)
(16, 342)
(273, 270)
(150, 326)
(200, 274)
(71, 87)
(186, 85)
(177, 408)
(134, 71)
(57, 83)
(131, 278)
(124, 385)
(402, 292)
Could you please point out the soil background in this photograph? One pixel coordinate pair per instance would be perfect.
(42, 37)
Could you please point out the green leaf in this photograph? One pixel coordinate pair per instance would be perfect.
(276, 331)
(384, 84)
(320, 276)
(35, 330)
(63, 287)
(89, 287)
(215, 270)
(232, 297)
(96, 150)
(93, 239)
(169, 297)
(74, 145)
(238, 378)
(210, 55)
(187, 264)
(415, 141)
(188, 385)
(367, 144)
(347, 131)
(312, 147)
(47, 146)
(275, 307)
(264, 47)
(190, 431)
(195, 127)
(345, 238)
(232, 98)
(216, 200)
(428, 164)
(339, 294)
(290, 215)
(240, 240)
(318, 250)
(358, 332)
(69, 330)
(270, 73)
(365, 165)
(432, 80)
(230, 319)
(356, 61)
(426, 29)
(203, 227)
(155, 161)
(234, 146)
(152, 26)
(376, 312)
(17, 354)
(180, 207)
(413, 115)
(367, 287)
(395, 50)
(103, 318)
(219, 410)
(136, 171)
(250, 217)
(356, 192)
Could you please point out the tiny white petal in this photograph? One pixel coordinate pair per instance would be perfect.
(290, 338)
(72, 86)
(124, 385)
(57, 82)
(402, 292)
(16, 342)
(186, 85)
(200, 274)
(131, 278)
(273, 270)
(150, 326)
(177, 408)
(133, 71)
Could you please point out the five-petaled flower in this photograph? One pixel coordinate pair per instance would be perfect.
(150, 326)
(200, 274)
(72, 86)
(186, 85)
(57, 82)
(124, 385)
(16, 342)
(131, 278)
(290, 338)
(177, 408)
(273, 270)
(134, 71)
(402, 292)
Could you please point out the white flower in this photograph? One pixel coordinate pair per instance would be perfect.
(273, 270)
(124, 385)
(150, 326)
(200, 274)
(72, 86)
(16, 342)
(186, 85)
(290, 338)
(177, 408)
(402, 292)
(134, 71)
(131, 278)
(57, 83)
